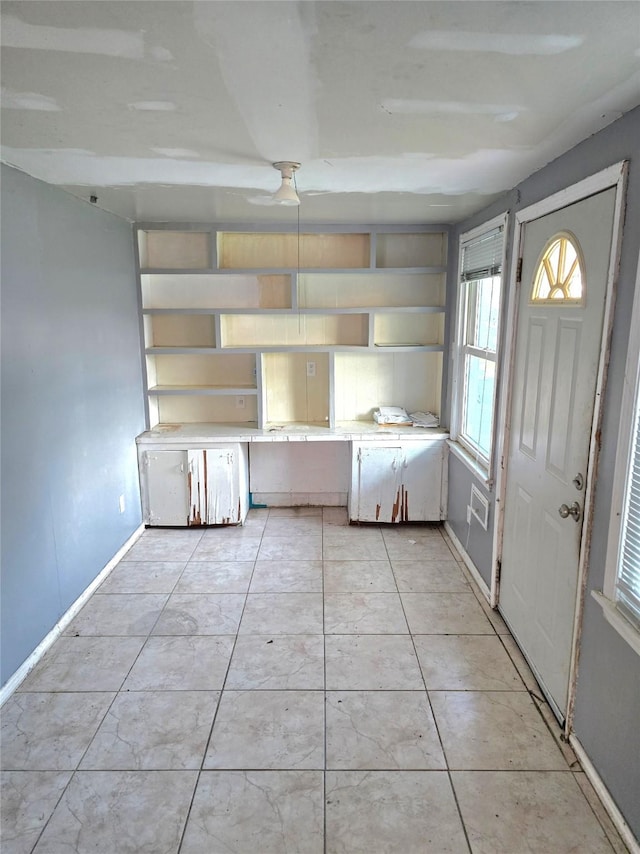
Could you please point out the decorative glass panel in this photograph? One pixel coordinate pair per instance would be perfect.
(559, 277)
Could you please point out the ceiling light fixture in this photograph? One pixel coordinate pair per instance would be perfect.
(286, 195)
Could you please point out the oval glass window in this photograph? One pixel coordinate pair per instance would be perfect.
(559, 275)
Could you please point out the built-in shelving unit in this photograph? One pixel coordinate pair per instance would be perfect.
(280, 327)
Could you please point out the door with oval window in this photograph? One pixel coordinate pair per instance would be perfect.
(565, 269)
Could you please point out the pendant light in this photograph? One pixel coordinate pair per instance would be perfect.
(286, 195)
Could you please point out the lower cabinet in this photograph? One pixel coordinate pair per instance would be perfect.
(207, 486)
(397, 482)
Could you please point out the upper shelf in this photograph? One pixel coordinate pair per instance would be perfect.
(240, 251)
(193, 250)
(175, 250)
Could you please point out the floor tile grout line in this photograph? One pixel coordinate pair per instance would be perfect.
(513, 661)
(437, 728)
(119, 691)
(51, 813)
(381, 769)
(115, 696)
(217, 709)
(569, 768)
(324, 673)
(607, 829)
(556, 737)
(442, 746)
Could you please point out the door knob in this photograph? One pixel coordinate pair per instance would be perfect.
(564, 510)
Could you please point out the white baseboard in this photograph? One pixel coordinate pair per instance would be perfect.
(21, 673)
(479, 580)
(603, 793)
(299, 499)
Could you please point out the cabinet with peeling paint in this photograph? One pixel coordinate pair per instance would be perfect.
(398, 482)
(205, 486)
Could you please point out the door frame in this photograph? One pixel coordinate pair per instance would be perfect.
(612, 176)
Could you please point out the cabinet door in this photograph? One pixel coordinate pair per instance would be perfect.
(422, 481)
(214, 497)
(165, 492)
(376, 488)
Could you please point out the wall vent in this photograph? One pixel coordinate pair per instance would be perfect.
(479, 506)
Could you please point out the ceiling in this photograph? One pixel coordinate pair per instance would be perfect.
(400, 112)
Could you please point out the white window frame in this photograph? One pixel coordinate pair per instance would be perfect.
(478, 462)
(630, 393)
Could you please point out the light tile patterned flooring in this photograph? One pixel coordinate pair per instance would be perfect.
(294, 686)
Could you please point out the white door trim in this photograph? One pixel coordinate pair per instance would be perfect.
(613, 176)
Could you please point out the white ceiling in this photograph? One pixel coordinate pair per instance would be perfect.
(410, 112)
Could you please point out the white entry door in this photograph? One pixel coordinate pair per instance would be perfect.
(557, 353)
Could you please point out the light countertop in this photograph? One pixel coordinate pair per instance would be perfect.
(346, 431)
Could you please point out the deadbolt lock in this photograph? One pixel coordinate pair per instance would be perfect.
(578, 481)
(565, 511)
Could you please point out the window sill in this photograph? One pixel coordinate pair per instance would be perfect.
(613, 616)
(477, 468)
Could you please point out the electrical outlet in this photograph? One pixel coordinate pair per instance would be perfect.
(121, 503)
(239, 402)
(311, 369)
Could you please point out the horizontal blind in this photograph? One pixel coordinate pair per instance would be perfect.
(628, 584)
(482, 255)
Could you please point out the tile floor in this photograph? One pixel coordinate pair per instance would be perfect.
(295, 686)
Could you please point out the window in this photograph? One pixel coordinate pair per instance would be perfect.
(628, 575)
(621, 599)
(481, 262)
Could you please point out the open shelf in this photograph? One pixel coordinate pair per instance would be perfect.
(294, 330)
(245, 251)
(401, 330)
(174, 250)
(366, 290)
(296, 388)
(179, 330)
(411, 250)
(280, 328)
(198, 408)
(215, 291)
(365, 381)
(237, 370)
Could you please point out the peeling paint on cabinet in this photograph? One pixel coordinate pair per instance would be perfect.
(194, 488)
(383, 475)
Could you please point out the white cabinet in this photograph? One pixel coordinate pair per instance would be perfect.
(194, 487)
(397, 482)
(165, 491)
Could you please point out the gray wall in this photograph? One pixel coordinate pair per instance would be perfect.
(477, 542)
(608, 695)
(72, 403)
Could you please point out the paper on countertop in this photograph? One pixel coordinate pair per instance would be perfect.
(391, 415)
(424, 419)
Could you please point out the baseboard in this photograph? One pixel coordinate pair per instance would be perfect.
(479, 580)
(25, 668)
(603, 793)
(299, 499)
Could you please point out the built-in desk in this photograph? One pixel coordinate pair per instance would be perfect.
(210, 474)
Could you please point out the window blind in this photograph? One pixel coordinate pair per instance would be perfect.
(482, 255)
(628, 584)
